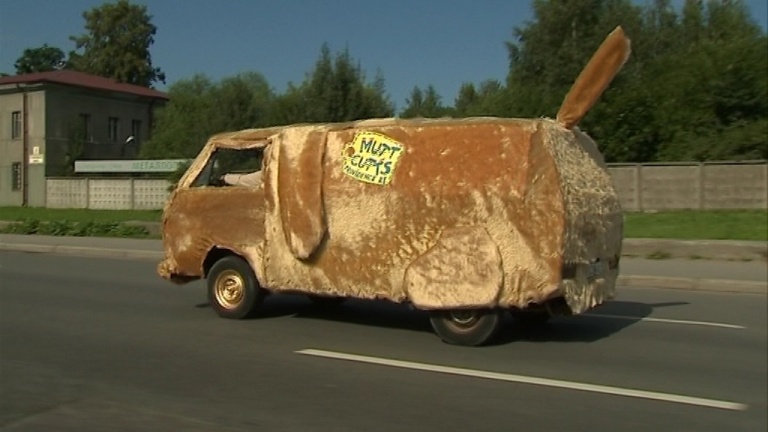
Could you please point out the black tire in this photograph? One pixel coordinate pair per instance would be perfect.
(326, 301)
(468, 327)
(233, 290)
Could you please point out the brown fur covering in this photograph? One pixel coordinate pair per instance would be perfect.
(462, 270)
(197, 221)
(484, 174)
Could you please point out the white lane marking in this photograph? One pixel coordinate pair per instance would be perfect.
(664, 320)
(618, 391)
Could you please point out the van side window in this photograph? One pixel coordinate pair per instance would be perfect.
(231, 167)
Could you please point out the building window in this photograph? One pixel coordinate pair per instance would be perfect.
(136, 130)
(85, 127)
(16, 125)
(113, 126)
(16, 176)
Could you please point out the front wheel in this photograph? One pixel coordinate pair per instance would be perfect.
(469, 327)
(233, 290)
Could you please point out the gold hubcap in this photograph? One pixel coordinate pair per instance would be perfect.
(230, 289)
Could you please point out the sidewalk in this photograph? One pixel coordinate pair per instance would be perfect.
(675, 273)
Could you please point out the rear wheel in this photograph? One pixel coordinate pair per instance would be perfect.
(233, 290)
(469, 327)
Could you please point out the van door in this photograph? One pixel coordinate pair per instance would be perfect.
(212, 212)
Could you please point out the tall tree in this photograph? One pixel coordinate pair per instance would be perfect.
(335, 90)
(116, 45)
(548, 53)
(488, 100)
(42, 59)
(426, 103)
(199, 108)
(693, 89)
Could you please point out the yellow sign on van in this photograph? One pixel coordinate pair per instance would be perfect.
(372, 157)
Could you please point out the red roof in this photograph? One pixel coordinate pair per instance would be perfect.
(80, 79)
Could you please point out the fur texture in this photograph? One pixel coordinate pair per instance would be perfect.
(462, 270)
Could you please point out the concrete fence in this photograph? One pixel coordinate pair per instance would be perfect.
(699, 186)
(641, 187)
(106, 194)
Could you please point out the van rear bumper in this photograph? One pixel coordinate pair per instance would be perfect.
(586, 285)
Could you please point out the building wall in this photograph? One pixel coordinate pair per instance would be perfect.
(65, 108)
(12, 149)
(53, 127)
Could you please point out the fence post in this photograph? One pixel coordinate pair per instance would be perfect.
(765, 186)
(701, 191)
(133, 194)
(639, 187)
(87, 192)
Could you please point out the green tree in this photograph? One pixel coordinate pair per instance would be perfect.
(548, 53)
(336, 90)
(42, 59)
(426, 103)
(183, 125)
(713, 89)
(199, 108)
(488, 100)
(693, 89)
(116, 45)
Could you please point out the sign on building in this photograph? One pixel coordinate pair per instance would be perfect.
(132, 166)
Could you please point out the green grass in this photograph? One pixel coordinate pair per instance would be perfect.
(685, 225)
(78, 215)
(699, 225)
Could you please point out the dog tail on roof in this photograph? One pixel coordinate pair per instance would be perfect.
(594, 78)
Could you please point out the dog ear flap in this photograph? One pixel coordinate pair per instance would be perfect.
(299, 189)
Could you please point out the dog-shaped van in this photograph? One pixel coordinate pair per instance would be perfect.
(465, 218)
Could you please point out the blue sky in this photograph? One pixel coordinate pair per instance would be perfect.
(418, 42)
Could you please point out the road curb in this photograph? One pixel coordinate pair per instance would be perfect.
(691, 284)
(83, 251)
(632, 281)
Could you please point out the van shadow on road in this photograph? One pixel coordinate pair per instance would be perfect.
(591, 327)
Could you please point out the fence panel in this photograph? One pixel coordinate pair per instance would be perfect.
(670, 187)
(735, 187)
(109, 194)
(626, 180)
(66, 193)
(150, 194)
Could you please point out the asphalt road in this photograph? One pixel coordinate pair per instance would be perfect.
(105, 345)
